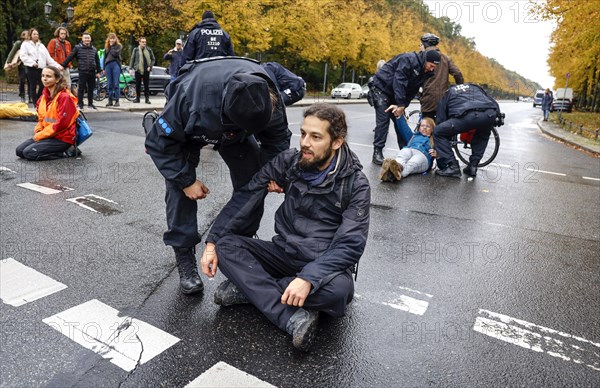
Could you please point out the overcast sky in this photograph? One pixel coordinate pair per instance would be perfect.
(503, 30)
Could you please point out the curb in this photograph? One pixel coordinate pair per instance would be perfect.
(579, 144)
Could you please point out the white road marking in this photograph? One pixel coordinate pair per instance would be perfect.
(591, 179)
(545, 172)
(91, 198)
(123, 340)
(538, 338)
(415, 291)
(223, 375)
(408, 304)
(44, 189)
(20, 284)
(6, 169)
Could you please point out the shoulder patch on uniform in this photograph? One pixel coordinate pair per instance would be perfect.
(166, 128)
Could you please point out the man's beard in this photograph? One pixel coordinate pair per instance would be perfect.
(317, 163)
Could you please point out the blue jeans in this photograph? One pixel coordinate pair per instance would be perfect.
(113, 71)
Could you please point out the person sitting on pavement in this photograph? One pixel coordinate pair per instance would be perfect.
(175, 55)
(227, 102)
(463, 108)
(416, 157)
(207, 39)
(322, 227)
(57, 112)
(88, 66)
(291, 87)
(397, 83)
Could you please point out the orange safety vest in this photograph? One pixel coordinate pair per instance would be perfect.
(48, 115)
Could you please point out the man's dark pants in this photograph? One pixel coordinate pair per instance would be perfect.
(482, 121)
(87, 81)
(45, 149)
(382, 124)
(138, 84)
(262, 271)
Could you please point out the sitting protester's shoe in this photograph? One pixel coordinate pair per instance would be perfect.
(391, 171)
(451, 170)
(189, 279)
(228, 294)
(470, 170)
(72, 152)
(378, 156)
(303, 327)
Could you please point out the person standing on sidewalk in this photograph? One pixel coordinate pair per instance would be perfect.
(112, 67)
(547, 103)
(207, 39)
(59, 49)
(397, 83)
(435, 87)
(140, 65)
(175, 55)
(10, 64)
(35, 57)
(88, 65)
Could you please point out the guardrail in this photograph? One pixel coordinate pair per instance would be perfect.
(580, 129)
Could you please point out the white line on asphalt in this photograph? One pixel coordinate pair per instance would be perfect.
(223, 375)
(6, 169)
(590, 178)
(91, 199)
(123, 340)
(539, 338)
(44, 189)
(415, 291)
(545, 172)
(408, 304)
(20, 284)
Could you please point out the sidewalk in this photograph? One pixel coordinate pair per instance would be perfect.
(555, 131)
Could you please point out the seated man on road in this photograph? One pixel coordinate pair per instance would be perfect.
(291, 87)
(321, 231)
(464, 108)
(229, 103)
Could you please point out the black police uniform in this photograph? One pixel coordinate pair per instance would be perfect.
(191, 119)
(207, 39)
(291, 87)
(463, 108)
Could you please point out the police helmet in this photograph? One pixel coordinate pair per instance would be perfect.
(430, 40)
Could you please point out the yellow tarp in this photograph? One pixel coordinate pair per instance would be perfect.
(17, 109)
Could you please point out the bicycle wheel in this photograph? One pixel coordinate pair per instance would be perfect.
(129, 91)
(463, 150)
(413, 120)
(100, 94)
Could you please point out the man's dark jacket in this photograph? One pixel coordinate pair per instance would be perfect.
(192, 118)
(177, 61)
(207, 39)
(314, 226)
(87, 59)
(401, 77)
(283, 77)
(460, 99)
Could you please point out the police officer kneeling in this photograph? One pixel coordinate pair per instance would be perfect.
(227, 102)
(463, 108)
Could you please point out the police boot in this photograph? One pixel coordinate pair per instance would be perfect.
(228, 294)
(110, 102)
(452, 170)
(303, 326)
(189, 280)
(378, 156)
(470, 169)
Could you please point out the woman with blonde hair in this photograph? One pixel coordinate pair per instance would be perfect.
(57, 112)
(112, 67)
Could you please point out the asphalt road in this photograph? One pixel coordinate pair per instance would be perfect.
(485, 282)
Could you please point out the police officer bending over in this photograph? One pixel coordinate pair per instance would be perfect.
(321, 231)
(227, 102)
(291, 87)
(463, 108)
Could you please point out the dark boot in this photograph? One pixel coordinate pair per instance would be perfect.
(470, 169)
(452, 170)
(378, 156)
(117, 103)
(147, 100)
(110, 102)
(303, 327)
(136, 101)
(189, 280)
(228, 294)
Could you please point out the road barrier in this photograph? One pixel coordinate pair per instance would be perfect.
(580, 129)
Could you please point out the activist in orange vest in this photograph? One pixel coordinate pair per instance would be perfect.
(57, 112)
(59, 49)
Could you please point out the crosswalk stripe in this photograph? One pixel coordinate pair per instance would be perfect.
(408, 304)
(20, 284)
(123, 340)
(540, 339)
(400, 302)
(44, 189)
(96, 203)
(223, 375)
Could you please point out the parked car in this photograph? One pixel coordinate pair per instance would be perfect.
(346, 90)
(159, 79)
(561, 104)
(537, 98)
(365, 91)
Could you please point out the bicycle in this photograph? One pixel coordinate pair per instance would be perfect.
(461, 143)
(127, 89)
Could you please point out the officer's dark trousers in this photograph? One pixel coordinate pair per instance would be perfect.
(443, 132)
(243, 161)
(382, 124)
(262, 271)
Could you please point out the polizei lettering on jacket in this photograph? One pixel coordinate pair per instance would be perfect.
(211, 32)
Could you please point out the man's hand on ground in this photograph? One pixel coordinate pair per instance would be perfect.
(296, 292)
(209, 260)
(196, 191)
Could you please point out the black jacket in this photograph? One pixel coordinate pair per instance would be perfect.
(87, 59)
(311, 225)
(402, 76)
(284, 78)
(459, 99)
(177, 61)
(192, 114)
(207, 39)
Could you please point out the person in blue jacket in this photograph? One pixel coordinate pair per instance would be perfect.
(416, 157)
(321, 231)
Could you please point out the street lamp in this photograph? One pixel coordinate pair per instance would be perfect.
(48, 10)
